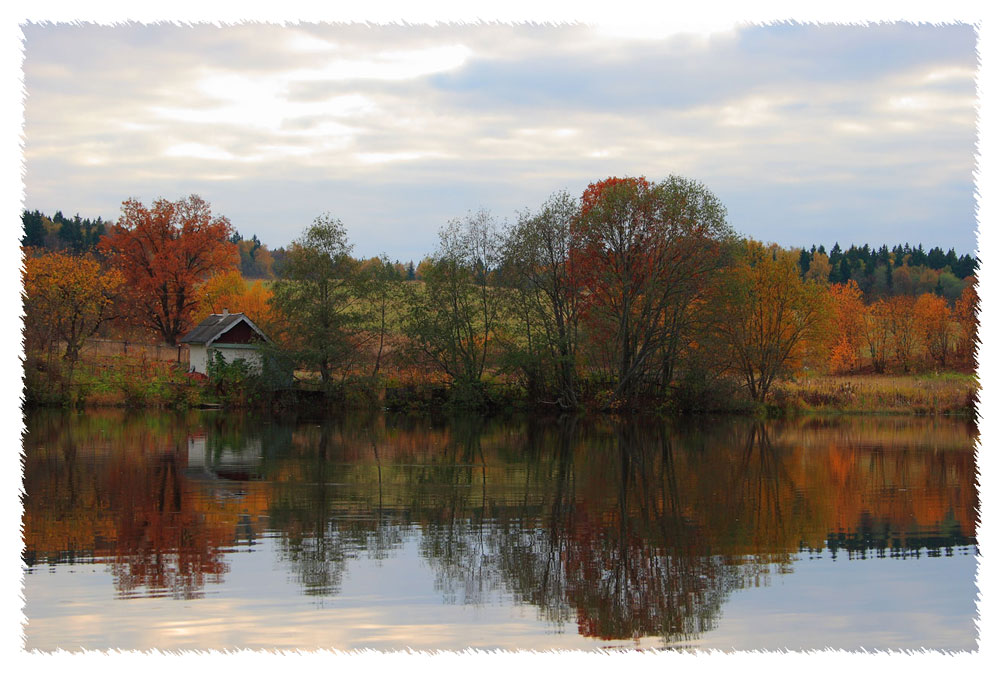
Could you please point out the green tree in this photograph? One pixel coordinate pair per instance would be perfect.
(318, 300)
(805, 258)
(538, 254)
(34, 229)
(452, 320)
(381, 287)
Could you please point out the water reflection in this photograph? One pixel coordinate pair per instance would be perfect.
(619, 530)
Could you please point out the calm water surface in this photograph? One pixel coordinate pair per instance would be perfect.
(212, 531)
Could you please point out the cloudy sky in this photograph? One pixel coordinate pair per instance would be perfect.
(808, 134)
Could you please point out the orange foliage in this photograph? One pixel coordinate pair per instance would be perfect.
(933, 320)
(642, 255)
(967, 316)
(164, 252)
(902, 328)
(843, 356)
(67, 298)
(769, 316)
(229, 290)
(848, 314)
(876, 328)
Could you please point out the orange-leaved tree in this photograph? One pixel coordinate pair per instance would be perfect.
(877, 330)
(67, 298)
(229, 291)
(902, 328)
(164, 253)
(933, 318)
(848, 311)
(766, 314)
(967, 317)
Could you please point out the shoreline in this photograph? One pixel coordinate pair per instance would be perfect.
(928, 395)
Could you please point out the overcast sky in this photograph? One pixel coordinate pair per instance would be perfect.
(808, 134)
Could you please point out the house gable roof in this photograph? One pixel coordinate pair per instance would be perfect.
(216, 325)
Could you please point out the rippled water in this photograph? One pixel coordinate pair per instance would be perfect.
(213, 531)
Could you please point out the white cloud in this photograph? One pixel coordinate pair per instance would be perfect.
(938, 75)
(700, 30)
(392, 157)
(199, 151)
(391, 65)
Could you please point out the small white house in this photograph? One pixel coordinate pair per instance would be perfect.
(232, 335)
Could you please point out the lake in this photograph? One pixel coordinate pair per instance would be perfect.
(209, 530)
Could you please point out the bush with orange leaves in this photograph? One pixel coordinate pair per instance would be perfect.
(848, 313)
(933, 319)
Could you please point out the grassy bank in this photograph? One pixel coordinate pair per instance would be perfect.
(116, 381)
(134, 382)
(927, 394)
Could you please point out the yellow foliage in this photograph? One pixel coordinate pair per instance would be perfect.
(67, 297)
(231, 291)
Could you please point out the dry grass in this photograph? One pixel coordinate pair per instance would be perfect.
(950, 393)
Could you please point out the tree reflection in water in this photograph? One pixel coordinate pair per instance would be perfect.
(625, 528)
(626, 561)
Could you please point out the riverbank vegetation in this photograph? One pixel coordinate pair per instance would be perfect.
(638, 295)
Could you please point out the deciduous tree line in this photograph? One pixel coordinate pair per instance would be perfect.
(637, 292)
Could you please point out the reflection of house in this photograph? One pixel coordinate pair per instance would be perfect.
(230, 335)
(222, 461)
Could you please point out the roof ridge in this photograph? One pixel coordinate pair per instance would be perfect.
(213, 325)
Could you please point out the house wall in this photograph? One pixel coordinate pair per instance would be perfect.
(231, 352)
(199, 355)
(197, 358)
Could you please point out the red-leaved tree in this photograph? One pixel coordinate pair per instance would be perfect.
(164, 252)
(643, 253)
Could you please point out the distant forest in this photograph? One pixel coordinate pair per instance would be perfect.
(879, 272)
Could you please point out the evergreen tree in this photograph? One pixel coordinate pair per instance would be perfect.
(34, 229)
(845, 270)
(804, 261)
(936, 258)
(951, 260)
(71, 234)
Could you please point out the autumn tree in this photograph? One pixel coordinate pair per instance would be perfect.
(904, 280)
(256, 260)
(164, 253)
(902, 329)
(819, 269)
(68, 298)
(317, 299)
(876, 329)
(538, 263)
(229, 291)
(765, 313)
(933, 318)
(642, 254)
(967, 317)
(848, 309)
